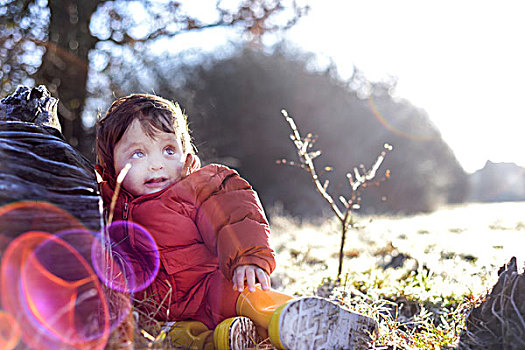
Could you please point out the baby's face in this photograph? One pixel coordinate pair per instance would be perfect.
(155, 163)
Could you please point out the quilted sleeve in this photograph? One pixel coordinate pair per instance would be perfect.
(232, 222)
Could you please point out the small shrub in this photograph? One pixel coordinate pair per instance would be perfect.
(358, 181)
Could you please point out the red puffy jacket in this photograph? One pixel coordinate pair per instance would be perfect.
(205, 225)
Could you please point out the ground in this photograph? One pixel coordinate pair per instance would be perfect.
(418, 275)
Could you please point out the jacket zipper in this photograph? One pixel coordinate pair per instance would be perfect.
(125, 214)
(127, 229)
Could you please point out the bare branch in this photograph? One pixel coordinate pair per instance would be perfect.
(308, 161)
(362, 179)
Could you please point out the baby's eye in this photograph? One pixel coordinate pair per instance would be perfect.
(170, 151)
(137, 154)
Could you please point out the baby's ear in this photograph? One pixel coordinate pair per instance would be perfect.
(191, 164)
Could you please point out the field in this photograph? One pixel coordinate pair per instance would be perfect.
(417, 275)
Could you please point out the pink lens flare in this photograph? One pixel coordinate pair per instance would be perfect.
(10, 332)
(400, 130)
(21, 217)
(53, 306)
(119, 303)
(25, 216)
(12, 262)
(64, 294)
(133, 254)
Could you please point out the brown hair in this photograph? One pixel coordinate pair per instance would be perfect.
(154, 114)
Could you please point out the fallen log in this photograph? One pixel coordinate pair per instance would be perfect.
(45, 184)
(50, 220)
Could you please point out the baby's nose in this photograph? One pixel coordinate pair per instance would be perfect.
(156, 164)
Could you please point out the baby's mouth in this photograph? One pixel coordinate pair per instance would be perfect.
(155, 180)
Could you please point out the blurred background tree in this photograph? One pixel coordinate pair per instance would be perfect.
(89, 52)
(234, 108)
(58, 42)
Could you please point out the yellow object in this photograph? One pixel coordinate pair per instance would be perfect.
(220, 334)
(192, 335)
(260, 305)
(235, 333)
(273, 328)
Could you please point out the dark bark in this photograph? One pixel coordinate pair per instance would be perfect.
(45, 184)
(64, 68)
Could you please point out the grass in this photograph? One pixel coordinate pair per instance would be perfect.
(418, 276)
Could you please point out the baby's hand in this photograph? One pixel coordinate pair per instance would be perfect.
(249, 272)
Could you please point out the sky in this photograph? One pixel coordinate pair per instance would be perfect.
(463, 62)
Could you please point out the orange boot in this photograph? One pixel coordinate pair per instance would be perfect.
(306, 323)
(260, 305)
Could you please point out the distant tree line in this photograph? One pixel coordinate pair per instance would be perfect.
(497, 182)
(234, 108)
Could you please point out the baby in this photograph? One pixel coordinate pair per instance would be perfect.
(213, 283)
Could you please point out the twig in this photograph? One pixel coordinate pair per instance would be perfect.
(302, 148)
(104, 237)
(361, 179)
(516, 309)
(120, 179)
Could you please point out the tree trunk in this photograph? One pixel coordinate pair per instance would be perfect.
(65, 64)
